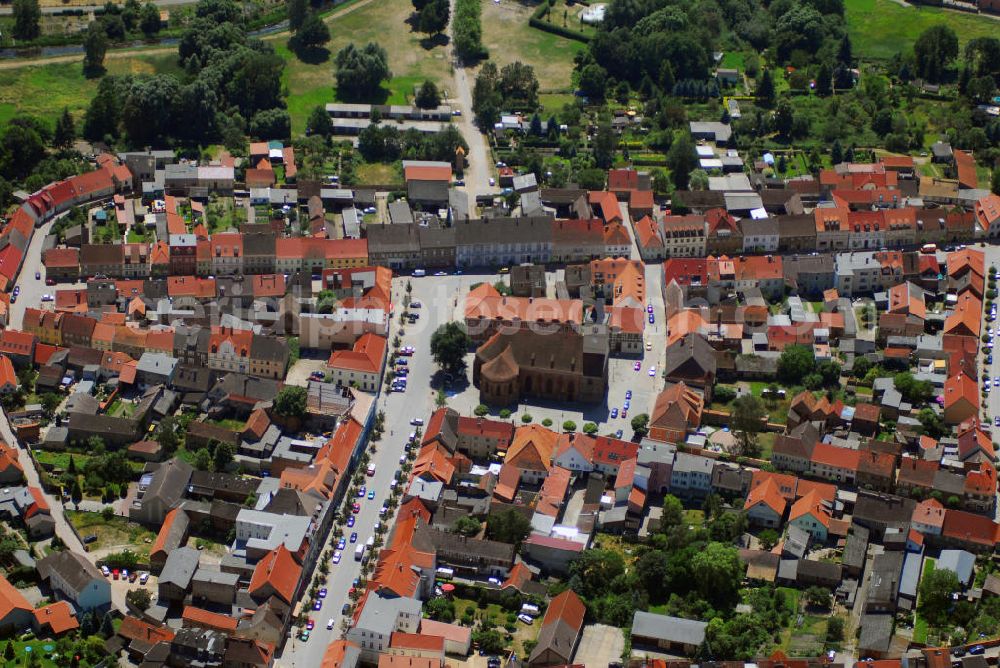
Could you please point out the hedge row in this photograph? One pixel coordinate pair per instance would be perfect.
(467, 30)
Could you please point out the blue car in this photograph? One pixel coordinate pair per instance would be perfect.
(354, 536)
(342, 543)
(628, 394)
(350, 521)
(318, 605)
(614, 412)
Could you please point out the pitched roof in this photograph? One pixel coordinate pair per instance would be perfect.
(532, 448)
(810, 504)
(366, 356)
(11, 599)
(59, 617)
(768, 494)
(278, 571)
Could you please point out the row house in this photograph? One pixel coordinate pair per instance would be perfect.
(503, 241)
(225, 254)
(835, 464)
(649, 239)
(487, 311)
(739, 274)
(577, 240)
(832, 228)
(183, 254)
(865, 272)
(135, 259)
(229, 350)
(685, 236)
(724, 236)
(102, 259)
(760, 236)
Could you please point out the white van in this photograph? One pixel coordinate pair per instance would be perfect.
(529, 609)
(419, 272)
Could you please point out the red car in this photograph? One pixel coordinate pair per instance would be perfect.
(310, 625)
(50, 281)
(114, 574)
(356, 508)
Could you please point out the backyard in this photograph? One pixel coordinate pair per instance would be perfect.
(521, 634)
(116, 533)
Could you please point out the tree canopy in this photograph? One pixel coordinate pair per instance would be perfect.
(449, 344)
(360, 72)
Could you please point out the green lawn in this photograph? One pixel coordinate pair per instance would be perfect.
(880, 28)
(44, 90)
(410, 59)
(508, 37)
(378, 173)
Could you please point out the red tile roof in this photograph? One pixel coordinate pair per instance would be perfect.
(566, 607)
(965, 164)
(201, 618)
(279, 572)
(58, 617)
(969, 527)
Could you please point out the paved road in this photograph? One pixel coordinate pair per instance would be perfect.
(992, 258)
(480, 169)
(31, 289)
(418, 401)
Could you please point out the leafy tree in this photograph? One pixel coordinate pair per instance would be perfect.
(835, 629)
(27, 16)
(167, 436)
(818, 596)
(428, 96)
(507, 526)
(489, 641)
(795, 363)
(604, 145)
(433, 18)
(914, 391)
(149, 19)
(481, 410)
(718, 574)
(569, 425)
(440, 608)
(467, 526)
(107, 626)
(747, 421)
(8, 652)
(140, 598)
(593, 82)
(682, 159)
(65, 131)
(640, 424)
(297, 12)
(222, 456)
(698, 180)
(995, 180)
(271, 124)
(768, 538)
(203, 459)
(934, 50)
(290, 402)
(931, 423)
(76, 493)
(765, 90)
(824, 80)
(360, 72)
(936, 589)
(449, 344)
(592, 573)
(673, 512)
(311, 35)
(589, 428)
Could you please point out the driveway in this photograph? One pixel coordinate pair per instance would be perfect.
(477, 175)
(600, 646)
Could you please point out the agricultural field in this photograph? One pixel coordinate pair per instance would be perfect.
(881, 28)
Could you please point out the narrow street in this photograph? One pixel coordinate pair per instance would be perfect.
(477, 175)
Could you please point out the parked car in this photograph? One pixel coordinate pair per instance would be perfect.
(417, 422)
(341, 543)
(318, 605)
(371, 494)
(336, 556)
(144, 578)
(346, 609)
(362, 491)
(107, 571)
(614, 413)
(350, 521)
(977, 649)
(354, 536)
(525, 618)
(38, 275)
(322, 592)
(310, 624)
(329, 624)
